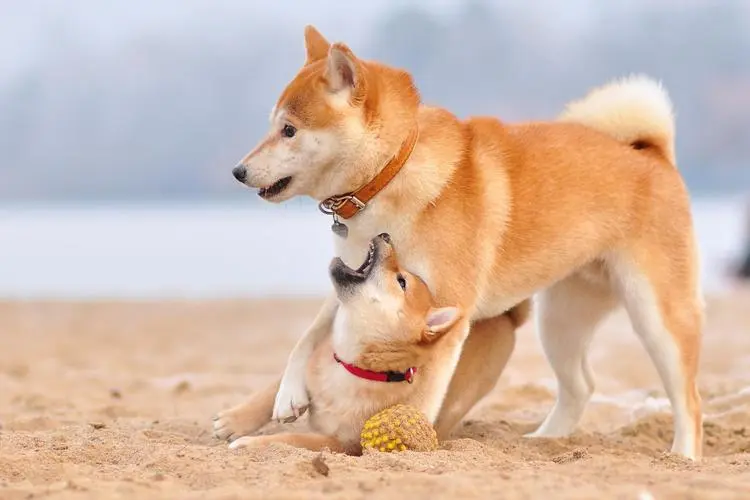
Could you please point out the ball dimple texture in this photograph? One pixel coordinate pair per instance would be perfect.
(399, 428)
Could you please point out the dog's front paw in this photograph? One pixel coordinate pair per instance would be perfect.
(241, 420)
(226, 426)
(291, 402)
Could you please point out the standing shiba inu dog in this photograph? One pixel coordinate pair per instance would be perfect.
(388, 346)
(589, 211)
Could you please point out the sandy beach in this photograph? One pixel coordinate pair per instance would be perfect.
(114, 400)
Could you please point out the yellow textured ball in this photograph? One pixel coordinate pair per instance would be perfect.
(399, 428)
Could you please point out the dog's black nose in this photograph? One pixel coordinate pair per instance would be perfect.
(240, 173)
(385, 237)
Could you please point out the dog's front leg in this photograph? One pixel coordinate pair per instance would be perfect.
(292, 399)
(247, 417)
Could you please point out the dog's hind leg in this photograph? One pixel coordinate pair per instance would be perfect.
(247, 417)
(312, 442)
(567, 315)
(483, 358)
(661, 294)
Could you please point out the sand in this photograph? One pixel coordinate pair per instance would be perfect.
(114, 400)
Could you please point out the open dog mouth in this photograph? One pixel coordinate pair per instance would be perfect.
(275, 188)
(367, 265)
(343, 275)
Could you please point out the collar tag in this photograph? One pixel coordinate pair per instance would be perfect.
(339, 229)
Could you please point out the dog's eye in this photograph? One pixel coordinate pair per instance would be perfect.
(288, 131)
(401, 281)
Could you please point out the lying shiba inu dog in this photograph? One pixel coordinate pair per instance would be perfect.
(589, 211)
(388, 345)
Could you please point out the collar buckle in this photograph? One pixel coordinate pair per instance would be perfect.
(409, 375)
(350, 204)
(331, 205)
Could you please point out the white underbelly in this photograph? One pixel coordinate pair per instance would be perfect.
(490, 305)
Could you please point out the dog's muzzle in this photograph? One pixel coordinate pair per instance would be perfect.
(344, 277)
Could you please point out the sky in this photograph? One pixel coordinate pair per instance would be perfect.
(31, 29)
(176, 89)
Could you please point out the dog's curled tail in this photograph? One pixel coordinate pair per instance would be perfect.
(635, 110)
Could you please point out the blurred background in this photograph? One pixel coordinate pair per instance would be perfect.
(120, 123)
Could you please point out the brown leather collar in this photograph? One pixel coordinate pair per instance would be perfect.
(349, 205)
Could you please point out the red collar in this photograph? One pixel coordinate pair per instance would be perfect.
(390, 376)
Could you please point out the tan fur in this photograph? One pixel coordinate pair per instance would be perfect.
(311, 441)
(384, 328)
(244, 419)
(489, 347)
(490, 213)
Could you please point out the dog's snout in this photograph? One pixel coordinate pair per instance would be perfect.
(385, 237)
(240, 173)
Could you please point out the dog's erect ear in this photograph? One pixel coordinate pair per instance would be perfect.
(344, 71)
(439, 321)
(316, 46)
